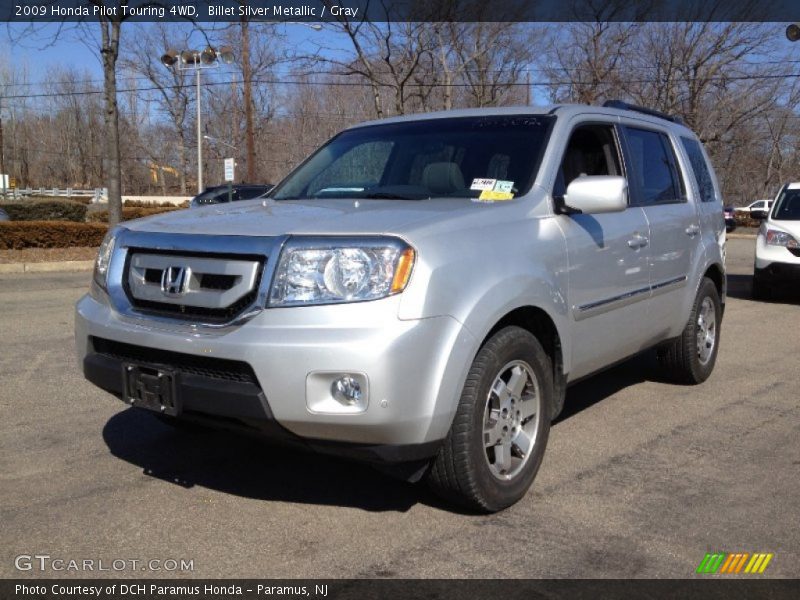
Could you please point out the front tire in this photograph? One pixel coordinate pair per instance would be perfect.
(498, 437)
(691, 358)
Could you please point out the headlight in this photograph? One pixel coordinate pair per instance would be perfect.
(326, 271)
(103, 259)
(781, 238)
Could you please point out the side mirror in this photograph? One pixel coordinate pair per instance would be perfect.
(596, 194)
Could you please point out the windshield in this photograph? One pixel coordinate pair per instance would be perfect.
(458, 157)
(787, 207)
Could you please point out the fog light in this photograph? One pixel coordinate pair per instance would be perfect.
(337, 392)
(346, 390)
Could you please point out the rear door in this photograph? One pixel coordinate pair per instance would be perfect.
(657, 186)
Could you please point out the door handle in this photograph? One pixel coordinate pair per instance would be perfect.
(692, 230)
(637, 241)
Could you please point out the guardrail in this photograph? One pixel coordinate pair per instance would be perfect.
(97, 194)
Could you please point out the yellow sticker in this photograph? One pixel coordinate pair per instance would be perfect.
(493, 195)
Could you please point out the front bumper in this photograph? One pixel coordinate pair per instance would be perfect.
(775, 265)
(415, 370)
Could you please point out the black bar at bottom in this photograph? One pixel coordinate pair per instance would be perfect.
(713, 588)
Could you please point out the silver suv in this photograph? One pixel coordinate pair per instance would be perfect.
(420, 292)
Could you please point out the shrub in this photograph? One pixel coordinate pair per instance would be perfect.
(744, 219)
(46, 210)
(143, 204)
(128, 213)
(49, 234)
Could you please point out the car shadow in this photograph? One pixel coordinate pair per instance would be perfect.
(741, 287)
(248, 467)
(596, 388)
(244, 466)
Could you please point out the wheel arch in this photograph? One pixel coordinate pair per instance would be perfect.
(542, 326)
(716, 273)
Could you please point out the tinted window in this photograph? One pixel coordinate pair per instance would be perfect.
(250, 193)
(702, 173)
(788, 207)
(591, 150)
(652, 171)
(456, 157)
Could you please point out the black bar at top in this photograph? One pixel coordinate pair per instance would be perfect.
(26, 11)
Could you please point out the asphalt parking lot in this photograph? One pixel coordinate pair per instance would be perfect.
(640, 479)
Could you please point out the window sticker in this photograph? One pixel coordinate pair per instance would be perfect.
(482, 184)
(503, 186)
(494, 196)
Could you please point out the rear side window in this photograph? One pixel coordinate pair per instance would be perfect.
(653, 170)
(702, 173)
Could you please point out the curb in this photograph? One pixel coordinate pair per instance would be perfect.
(741, 236)
(48, 267)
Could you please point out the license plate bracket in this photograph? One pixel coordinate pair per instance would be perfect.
(151, 388)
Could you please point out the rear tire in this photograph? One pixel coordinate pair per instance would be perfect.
(691, 357)
(498, 437)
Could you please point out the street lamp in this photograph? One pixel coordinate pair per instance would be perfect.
(793, 32)
(218, 141)
(198, 60)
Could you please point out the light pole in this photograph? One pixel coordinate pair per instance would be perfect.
(197, 60)
(218, 141)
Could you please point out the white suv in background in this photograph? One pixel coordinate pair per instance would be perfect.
(777, 261)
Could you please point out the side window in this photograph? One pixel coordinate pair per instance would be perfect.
(702, 172)
(591, 150)
(653, 170)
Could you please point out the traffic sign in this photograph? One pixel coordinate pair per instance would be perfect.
(229, 167)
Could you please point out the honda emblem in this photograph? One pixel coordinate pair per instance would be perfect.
(175, 280)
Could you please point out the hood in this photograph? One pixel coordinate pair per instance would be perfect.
(332, 217)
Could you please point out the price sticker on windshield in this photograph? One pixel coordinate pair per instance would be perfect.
(494, 196)
(483, 184)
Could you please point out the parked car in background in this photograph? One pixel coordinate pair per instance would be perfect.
(777, 262)
(757, 209)
(421, 291)
(4, 215)
(730, 218)
(220, 194)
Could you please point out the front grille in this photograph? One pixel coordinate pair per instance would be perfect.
(205, 366)
(209, 285)
(795, 251)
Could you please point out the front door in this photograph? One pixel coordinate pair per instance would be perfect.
(608, 258)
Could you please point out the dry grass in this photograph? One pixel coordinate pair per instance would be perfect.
(31, 255)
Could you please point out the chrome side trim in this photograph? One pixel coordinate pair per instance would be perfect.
(669, 285)
(607, 305)
(268, 247)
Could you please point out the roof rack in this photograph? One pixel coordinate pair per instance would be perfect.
(641, 109)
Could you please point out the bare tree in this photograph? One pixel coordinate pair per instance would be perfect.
(172, 87)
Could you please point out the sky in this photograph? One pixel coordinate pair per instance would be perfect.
(40, 52)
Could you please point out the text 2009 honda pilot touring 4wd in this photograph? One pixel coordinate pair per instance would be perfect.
(422, 289)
